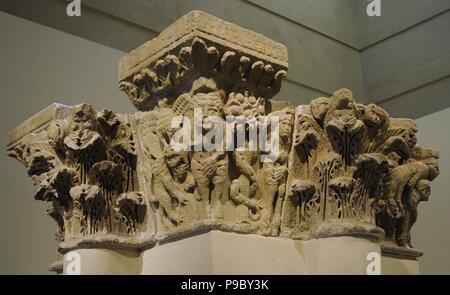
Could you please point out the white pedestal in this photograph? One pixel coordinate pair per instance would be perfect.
(344, 255)
(395, 265)
(102, 261)
(218, 252)
(224, 253)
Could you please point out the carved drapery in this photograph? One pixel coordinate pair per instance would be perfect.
(342, 167)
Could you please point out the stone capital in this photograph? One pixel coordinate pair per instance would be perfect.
(115, 180)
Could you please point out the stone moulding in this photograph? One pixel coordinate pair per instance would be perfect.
(207, 27)
(113, 180)
(199, 44)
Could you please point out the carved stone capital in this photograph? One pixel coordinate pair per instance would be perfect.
(200, 45)
(83, 164)
(114, 180)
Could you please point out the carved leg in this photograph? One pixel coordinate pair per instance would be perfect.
(202, 181)
(269, 200)
(276, 218)
(166, 206)
(203, 187)
(217, 196)
(291, 215)
(412, 221)
(239, 198)
(402, 230)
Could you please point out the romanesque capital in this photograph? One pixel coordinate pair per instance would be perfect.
(83, 163)
(115, 180)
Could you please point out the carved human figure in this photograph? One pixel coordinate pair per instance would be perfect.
(300, 207)
(243, 188)
(275, 172)
(170, 180)
(375, 118)
(306, 139)
(209, 168)
(420, 192)
(406, 186)
(179, 184)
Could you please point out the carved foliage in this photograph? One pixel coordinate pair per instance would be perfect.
(353, 162)
(86, 168)
(169, 76)
(208, 187)
(336, 159)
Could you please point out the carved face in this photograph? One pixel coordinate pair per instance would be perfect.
(343, 114)
(286, 126)
(83, 118)
(423, 189)
(177, 163)
(82, 128)
(319, 108)
(136, 91)
(210, 103)
(206, 96)
(303, 123)
(305, 130)
(285, 122)
(173, 159)
(344, 106)
(345, 111)
(374, 116)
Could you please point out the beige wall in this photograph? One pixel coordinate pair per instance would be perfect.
(39, 66)
(319, 64)
(431, 233)
(399, 57)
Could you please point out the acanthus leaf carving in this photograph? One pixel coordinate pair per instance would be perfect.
(81, 165)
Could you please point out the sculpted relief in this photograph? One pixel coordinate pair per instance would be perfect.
(332, 167)
(85, 167)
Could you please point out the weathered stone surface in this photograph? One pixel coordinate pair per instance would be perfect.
(341, 168)
(198, 24)
(201, 45)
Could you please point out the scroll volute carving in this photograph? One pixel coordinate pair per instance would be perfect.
(85, 166)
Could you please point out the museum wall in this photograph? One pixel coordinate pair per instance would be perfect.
(319, 63)
(399, 60)
(410, 67)
(431, 232)
(40, 66)
(400, 56)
